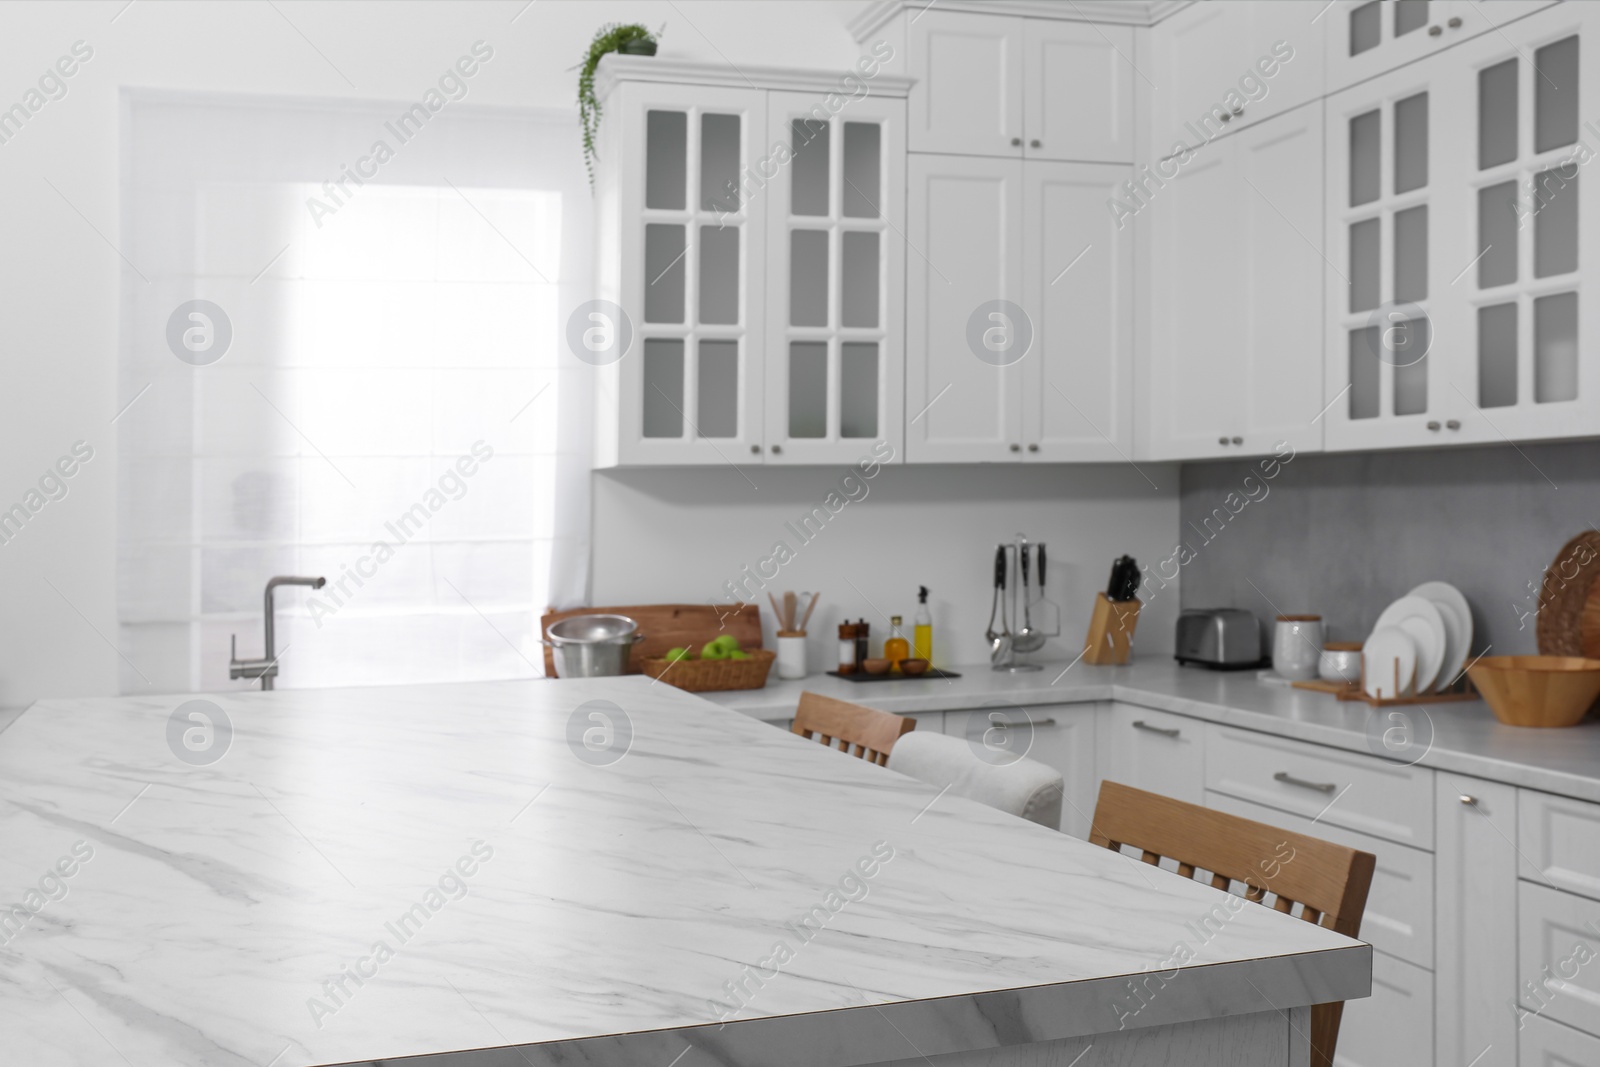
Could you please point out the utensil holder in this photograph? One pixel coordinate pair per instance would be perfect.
(1111, 626)
(791, 654)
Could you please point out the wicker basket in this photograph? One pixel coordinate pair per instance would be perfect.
(712, 675)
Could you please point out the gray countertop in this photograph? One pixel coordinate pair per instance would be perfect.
(1462, 737)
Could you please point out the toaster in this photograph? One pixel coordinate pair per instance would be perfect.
(1219, 638)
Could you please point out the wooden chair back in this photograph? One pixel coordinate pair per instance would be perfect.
(1327, 882)
(668, 626)
(865, 733)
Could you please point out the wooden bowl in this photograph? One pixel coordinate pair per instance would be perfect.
(913, 667)
(1537, 690)
(875, 666)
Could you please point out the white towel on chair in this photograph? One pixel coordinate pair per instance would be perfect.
(1022, 787)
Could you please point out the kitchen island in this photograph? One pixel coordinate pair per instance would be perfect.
(606, 871)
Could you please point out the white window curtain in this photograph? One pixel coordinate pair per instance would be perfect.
(392, 408)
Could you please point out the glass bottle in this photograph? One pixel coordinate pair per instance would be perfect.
(895, 646)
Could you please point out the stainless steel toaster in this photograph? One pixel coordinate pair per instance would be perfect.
(1222, 638)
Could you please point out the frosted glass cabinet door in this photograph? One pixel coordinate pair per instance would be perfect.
(1366, 38)
(1395, 363)
(835, 356)
(689, 387)
(1531, 227)
(965, 371)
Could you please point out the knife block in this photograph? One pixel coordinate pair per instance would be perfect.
(1111, 627)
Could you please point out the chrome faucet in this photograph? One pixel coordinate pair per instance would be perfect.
(265, 668)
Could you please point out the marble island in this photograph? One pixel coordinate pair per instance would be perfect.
(606, 871)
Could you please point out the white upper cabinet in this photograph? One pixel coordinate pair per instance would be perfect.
(1454, 200)
(1529, 229)
(995, 85)
(1366, 38)
(1236, 295)
(1077, 285)
(968, 92)
(682, 237)
(963, 275)
(835, 281)
(751, 272)
(1222, 66)
(1077, 100)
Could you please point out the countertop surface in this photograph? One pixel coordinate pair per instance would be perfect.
(401, 871)
(1462, 737)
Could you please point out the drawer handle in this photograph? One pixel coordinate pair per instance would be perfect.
(1469, 800)
(1288, 779)
(1029, 722)
(1164, 731)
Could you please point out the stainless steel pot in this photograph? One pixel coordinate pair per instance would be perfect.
(592, 646)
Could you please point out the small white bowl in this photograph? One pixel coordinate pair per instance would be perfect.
(1340, 664)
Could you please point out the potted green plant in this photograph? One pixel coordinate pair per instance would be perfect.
(630, 40)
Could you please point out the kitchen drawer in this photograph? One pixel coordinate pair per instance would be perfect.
(1399, 914)
(1060, 735)
(1560, 841)
(1152, 750)
(1348, 789)
(1559, 932)
(1547, 1044)
(1394, 1026)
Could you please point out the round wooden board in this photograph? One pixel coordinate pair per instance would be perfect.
(1569, 600)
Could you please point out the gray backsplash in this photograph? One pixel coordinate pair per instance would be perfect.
(1343, 535)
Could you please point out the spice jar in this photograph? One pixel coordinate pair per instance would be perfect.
(847, 648)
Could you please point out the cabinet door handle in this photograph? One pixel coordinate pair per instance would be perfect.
(1016, 448)
(1239, 111)
(1453, 424)
(1469, 800)
(1455, 22)
(777, 449)
(1433, 424)
(1226, 117)
(1222, 440)
(1238, 440)
(1288, 779)
(1434, 31)
(1033, 448)
(1027, 722)
(1034, 143)
(755, 450)
(1016, 142)
(1164, 731)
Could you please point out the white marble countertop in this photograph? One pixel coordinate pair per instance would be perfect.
(1465, 736)
(179, 912)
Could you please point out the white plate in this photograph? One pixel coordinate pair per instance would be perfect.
(1428, 629)
(1389, 653)
(1457, 627)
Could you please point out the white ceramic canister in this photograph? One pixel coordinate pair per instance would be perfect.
(791, 654)
(1297, 646)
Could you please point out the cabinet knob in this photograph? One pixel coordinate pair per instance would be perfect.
(1455, 22)
(1453, 424)
(1222, 440)
(1433, 424)
(1434, 31)
(1238, 440)
(1035, 143)
(1227, 116)
(755, 450)
(1033, 448)
(1239, 111)
(1016, 142)
(1469, 800)
(1016, 448)
(776, 449)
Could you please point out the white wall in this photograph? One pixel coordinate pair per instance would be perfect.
(60, 274)
(674, 536)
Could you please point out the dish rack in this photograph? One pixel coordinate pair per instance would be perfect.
(1461, 689)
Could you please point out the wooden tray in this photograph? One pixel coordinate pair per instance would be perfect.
(667, 626)
(891, 676)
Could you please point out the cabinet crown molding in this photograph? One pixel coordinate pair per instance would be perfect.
(615, 69)
(1122, 12)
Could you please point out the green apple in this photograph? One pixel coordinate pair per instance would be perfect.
(676, 654)
(712, 650)
(727, 641)
(738, 654)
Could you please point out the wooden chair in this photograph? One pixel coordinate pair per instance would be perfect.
(1328, 882)
(863, 732)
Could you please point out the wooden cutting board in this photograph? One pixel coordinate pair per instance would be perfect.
(1568, 621)
(667, 626)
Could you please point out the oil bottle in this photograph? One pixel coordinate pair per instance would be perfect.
(922, 634)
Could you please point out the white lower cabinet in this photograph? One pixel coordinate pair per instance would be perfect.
(1475, 823)
(1059, 735)
(1394, 1026)
(1558, 956)
(1546, 1044)
(1399, 917)
(1152, 750)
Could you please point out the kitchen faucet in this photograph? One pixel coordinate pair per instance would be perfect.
(265, 668)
